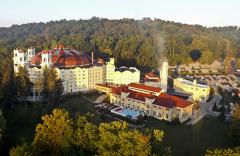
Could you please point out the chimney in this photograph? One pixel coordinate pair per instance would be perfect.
(92, 57)
(164, 75)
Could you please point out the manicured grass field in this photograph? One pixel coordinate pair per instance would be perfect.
(210, 132)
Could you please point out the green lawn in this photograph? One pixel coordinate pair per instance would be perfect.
(210, 132)
(21, 122)
(184, 140)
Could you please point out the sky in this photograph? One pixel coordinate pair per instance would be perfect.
(204, 12)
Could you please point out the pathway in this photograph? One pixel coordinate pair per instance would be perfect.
(205, 109)
(208, 106)
(100, 98)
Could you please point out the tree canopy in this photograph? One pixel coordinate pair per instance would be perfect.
(58, 134)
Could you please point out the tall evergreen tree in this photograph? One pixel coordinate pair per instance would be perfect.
(52, 85)
(8, 86)
(23, 84)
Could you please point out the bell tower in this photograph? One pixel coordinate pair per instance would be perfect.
(19, 59)
(30, 54)
(46, 58)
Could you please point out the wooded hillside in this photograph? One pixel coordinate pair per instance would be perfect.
(132, 42)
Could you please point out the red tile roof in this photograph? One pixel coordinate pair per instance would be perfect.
(151, 75)
(145, 87)
(164, 100)
(63, 58)
(140, 96)
(171, 101)
(118, 90)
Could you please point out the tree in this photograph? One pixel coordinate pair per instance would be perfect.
(38, 86)
(123, 141)
(86, 134)
(206, 57)
(236, 126)
(58, 134)
(51, 84)
(21, 150)
(55, 133)
(195, 54)
(8, 85)
(2, 128)
(223, 152)
(23, 84)
(236, 114)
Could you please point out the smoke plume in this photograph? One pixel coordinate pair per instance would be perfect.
(158, 38)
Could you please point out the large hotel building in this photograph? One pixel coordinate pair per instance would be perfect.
(76, 69)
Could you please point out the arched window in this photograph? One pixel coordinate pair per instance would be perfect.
(166, 116)
(154, 113)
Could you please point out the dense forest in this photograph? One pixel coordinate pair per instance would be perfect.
(131, 42)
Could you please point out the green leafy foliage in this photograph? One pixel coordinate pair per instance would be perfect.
(21, 150)
(223, 152)
(22, 84)
(54, 134)
(236, 126)
(137, 42)
(50, 85)
(58, 134)
(123, 141)
(2, 128)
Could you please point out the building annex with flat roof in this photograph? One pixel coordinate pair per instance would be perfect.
(199, 92)
(122, 75)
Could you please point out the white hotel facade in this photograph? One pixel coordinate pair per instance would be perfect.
(77, 70)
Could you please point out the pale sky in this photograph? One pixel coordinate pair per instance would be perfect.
(203, 12)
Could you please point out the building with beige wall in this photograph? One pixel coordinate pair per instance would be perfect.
(104, 88)
(152, 101)
(199, 92)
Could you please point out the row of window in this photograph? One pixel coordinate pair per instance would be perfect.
(155, 106)
(193, 88)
